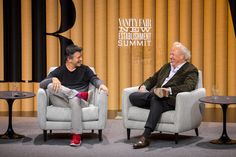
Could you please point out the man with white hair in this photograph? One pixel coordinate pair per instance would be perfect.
(158, 92)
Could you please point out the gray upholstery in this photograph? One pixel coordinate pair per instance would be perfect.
(57, 118)
(186, 116)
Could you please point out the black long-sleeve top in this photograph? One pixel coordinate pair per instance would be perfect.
(78, 79)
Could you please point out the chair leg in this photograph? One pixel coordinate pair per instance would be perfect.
(100, 135)
(128, 133)
(92, 131)
(176, 138)
(196, 131)
(45, 135)
(50, 132)
(160, 132)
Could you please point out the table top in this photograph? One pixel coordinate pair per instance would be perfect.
(219, 99)
(15, 95)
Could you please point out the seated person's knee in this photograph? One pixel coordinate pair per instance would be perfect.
(132, 97)
(50, 87)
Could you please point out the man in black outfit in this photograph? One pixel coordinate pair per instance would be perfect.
(68, 87)
(158, 93)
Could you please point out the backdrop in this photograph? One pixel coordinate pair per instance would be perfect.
(204, 26)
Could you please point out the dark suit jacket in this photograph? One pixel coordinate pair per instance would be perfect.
(184, 80)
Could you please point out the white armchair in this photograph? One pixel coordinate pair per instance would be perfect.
(93, 117)
(186, 116)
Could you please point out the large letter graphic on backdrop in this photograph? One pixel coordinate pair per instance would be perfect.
(39, 34)
(67, 21)
(38, 40)
(12, 40)
(232, 4)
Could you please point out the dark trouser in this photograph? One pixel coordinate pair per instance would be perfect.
(149, 100)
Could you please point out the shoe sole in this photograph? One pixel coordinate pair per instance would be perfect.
(140, 147)
(75, 145)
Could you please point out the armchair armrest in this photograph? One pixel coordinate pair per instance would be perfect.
(126, 103)
(188, 113)
(101, 102)
(42, 107)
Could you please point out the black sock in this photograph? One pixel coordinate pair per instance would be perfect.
(147, 132)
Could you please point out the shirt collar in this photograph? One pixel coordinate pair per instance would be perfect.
(177, 68)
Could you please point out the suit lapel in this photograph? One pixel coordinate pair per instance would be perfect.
(178, 73)
(165, 73)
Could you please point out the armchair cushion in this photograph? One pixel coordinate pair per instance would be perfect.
(135, 112)
(88, 113)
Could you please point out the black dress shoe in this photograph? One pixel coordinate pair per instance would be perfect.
(142, 142)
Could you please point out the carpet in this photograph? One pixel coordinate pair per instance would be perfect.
(114, 142)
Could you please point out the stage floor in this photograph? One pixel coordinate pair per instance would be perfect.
(114, 142)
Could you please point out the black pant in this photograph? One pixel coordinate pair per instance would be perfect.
(149, 100)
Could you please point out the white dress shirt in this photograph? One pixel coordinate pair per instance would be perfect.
(173, 71)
